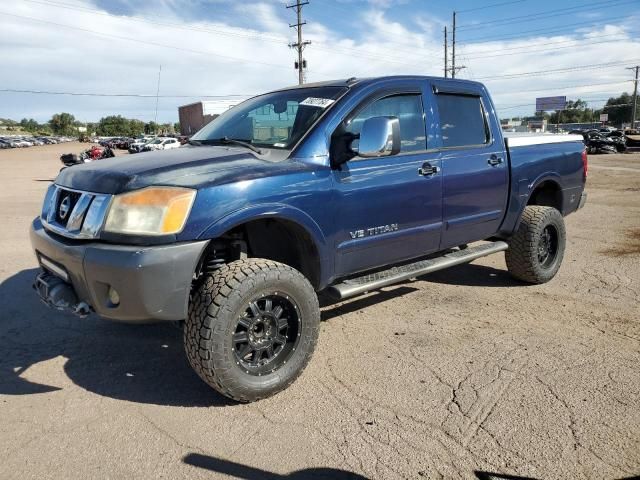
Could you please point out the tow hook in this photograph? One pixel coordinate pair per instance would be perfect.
(58, 294)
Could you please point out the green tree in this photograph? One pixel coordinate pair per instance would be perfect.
(577, 111)
(29, 125)
(7, 122)
(151, 128)
(176, 127)
(112, 126)
(62, 124)
(136, 127)
(619, 109)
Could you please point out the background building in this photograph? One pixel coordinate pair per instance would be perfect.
(196, 115)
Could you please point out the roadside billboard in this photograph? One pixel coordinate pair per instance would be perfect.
(604, 117)
(545, 104)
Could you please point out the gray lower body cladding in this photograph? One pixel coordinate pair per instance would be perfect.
(152, 282)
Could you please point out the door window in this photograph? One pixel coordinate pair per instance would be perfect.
(408, 110)
(462, 120)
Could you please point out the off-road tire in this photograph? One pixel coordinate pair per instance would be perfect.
(215, 306)
(522, 257)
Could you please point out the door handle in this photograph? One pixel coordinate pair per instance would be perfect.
(427, 170)
(495, 160)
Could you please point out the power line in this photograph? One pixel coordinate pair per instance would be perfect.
(490, 6)
(119, 37)
(559, 70)
(152, 96)
(125, 95)
(564, 28)
(367, 54)
(566, 87)
(545, 14)
(528, 50)
(213, 31)
(510, 107)
(560, 42)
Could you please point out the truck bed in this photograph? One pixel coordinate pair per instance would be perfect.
(538, 158)
(515, 139)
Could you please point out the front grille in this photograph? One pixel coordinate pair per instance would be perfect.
(71, 199)
(73, 213)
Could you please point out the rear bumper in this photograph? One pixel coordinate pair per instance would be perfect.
(583, 200)
(153, 282)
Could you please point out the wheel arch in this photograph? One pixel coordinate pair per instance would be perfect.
(281, 233)
(547, 192)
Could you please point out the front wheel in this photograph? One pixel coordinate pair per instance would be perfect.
(537, 248)
(252, 328)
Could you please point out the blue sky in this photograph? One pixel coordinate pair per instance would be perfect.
(226, 47)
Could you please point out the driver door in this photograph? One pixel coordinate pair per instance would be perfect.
(387, 211)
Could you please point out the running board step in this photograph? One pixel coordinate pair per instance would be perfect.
(374, 281)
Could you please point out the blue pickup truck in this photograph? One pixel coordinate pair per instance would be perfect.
(336, 188)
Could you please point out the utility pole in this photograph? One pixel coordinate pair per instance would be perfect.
(453, 48)
(454, 69)
(158, 94)
(301, 64)
(446, 59)
(635, 96)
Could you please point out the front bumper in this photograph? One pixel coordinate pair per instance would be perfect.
(153, 282)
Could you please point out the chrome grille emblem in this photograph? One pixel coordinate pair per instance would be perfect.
(65, 206)
(73, 213)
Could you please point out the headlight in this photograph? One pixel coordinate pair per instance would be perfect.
(150, 211)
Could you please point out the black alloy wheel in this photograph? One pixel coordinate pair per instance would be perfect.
(267, 333)
(548, 246)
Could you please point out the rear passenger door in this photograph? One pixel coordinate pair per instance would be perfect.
(474, 166)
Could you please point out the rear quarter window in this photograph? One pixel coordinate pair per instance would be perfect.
(462, 120)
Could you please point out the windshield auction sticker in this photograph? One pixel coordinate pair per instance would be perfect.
(317, 102)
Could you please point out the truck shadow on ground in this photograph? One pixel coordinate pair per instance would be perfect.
(245, 472)
(144, 364)
(473, 275)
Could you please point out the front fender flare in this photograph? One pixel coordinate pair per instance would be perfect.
(276, 211)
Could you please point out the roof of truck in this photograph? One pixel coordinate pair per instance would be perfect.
(350, 82)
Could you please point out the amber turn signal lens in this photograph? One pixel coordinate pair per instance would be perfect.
(150, 211)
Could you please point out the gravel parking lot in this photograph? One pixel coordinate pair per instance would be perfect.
(458, 373)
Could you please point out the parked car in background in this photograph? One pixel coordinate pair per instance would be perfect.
(601, 142)
(161, 143)
(137, 145)
(20, 142)
(619, 140)
(4, 144)
(123, 143)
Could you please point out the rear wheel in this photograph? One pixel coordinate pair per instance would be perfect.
(252, 328)
(537, 248)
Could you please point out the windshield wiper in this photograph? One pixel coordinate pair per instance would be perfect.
(227, 141)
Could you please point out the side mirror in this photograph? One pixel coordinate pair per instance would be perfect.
(379, 137)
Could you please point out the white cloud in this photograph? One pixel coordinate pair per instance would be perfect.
(46, 56)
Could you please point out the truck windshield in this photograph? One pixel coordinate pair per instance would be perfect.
(275, 120)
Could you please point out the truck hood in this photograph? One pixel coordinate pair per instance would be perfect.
(189, 166)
